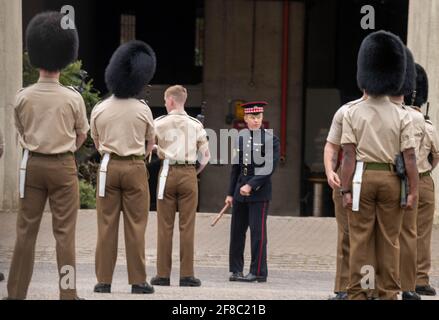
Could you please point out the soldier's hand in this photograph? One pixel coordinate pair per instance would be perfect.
(347, 201)
(245, 190)
(333, 180)
(229, 201)
(411, 201)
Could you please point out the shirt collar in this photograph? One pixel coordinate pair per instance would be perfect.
(178, 112)
(48, 80)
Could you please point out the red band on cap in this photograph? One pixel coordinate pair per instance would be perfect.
(254, 110)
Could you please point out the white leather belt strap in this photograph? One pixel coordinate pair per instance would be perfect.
(356, 185)
(162, 179)
(103, 174)
(23, 167)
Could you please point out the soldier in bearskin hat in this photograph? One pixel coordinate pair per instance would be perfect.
(121, 126)
(52, 124)
(427, 160)
(374, 132)
(408, 238)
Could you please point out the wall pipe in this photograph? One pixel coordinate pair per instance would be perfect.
(284, 75)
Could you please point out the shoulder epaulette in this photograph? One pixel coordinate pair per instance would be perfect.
(161, 117)
(20, 90)
(196, 120)
(428, 121)
(143, 101)
(73, 89)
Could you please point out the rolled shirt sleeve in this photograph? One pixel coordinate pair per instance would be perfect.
(94, 131)
(348, 134)
(201, 138)
(407, 137)
(335, 132)
(432, 133)
(81, 121)
(150, 131)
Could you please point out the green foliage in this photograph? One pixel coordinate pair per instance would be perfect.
(87, 195)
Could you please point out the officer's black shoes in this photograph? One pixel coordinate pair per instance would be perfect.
(143, 288)
(158, 281)
(340, 296)
(426, 290)
(410, 295)
(102, 288)
(236, 276)
(189, 282)
(252, 278)
(2, 277)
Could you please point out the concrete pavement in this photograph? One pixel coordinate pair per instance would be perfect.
(301, 260)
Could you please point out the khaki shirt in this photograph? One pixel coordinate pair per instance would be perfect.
(179, 137)
(334, 135)
(121, 126)
(49, 116)
(379, 128)
(430, 144)
(418, 121)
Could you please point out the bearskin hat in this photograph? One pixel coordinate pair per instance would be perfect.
(420, 96)
(409, 84)
(131, 68)
(381, 64)
(50, 46)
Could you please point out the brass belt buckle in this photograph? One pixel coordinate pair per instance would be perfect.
(245, 171)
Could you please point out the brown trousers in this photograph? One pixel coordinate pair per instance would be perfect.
(126, 190)
(53, 177)
(374, 233)
(342, 262)
(426, 208)
(408, 244)
(181, 193)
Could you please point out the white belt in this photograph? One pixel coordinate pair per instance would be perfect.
(23, 166)
(356, 186)
(103, 174)
(162, 180)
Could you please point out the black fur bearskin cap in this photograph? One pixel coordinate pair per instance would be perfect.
(51, 47)
(131, 68)
(381, 64)
(421, 94)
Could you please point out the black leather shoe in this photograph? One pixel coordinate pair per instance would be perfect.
(158, 281)
(340, 296)
(426, 290)
(236, 276)
(143, 288)
(2, 277)
(102, 288)
(410, 295)
(190, 282)
(252, 278)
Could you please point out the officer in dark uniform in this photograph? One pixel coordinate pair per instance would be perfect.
(257, 154)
